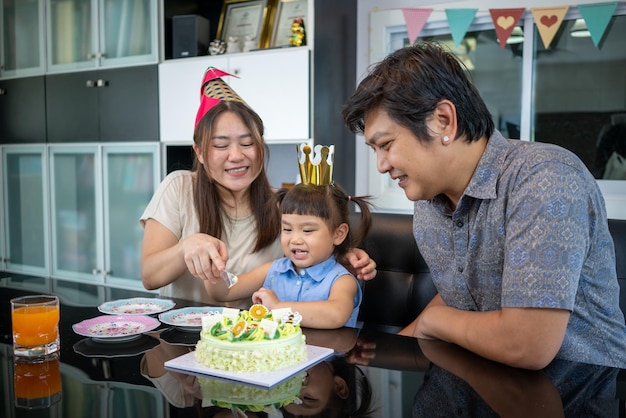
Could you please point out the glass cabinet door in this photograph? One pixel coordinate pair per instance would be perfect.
(71, 34)
(25, 209)
(22, 39)
(101, 33)
(75, 209)
(128, 32)
(130, 178)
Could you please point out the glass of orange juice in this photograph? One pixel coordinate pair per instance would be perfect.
(37, 382)
(35, 321)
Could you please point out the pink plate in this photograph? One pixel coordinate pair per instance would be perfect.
(115, 327)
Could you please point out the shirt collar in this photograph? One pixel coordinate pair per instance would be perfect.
(483, 184)
(317, 272)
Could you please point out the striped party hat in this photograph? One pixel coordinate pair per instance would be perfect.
(214, 90)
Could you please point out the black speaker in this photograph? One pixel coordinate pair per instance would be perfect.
(190, 36)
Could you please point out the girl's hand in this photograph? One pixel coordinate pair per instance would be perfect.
(205, 256)
(265, 297)
(360, 264)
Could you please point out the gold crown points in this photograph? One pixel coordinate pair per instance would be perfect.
(316, 168)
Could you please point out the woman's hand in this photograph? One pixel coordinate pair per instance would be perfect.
(360, 264)
(205, 256)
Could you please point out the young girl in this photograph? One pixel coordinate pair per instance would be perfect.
(314, 234)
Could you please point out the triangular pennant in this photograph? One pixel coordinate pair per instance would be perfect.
(459, 21)
(548, 21)
(504, 21)
(597, 17)
(415, 20)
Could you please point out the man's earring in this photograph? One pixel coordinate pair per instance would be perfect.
(446, 138)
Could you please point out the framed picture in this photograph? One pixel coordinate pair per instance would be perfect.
(244, 18)
(286, 12)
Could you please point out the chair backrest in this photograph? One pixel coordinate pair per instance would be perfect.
(618, 232)
(403, 286)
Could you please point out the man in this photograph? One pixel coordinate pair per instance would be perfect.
(514, 232)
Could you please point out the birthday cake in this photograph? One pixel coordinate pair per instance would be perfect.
(256, 340)
(247, 398)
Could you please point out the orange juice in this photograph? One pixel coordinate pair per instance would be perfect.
(34, 380)
(35, 325)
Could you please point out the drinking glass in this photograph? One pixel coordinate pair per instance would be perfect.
(37, 382)
(35, 321)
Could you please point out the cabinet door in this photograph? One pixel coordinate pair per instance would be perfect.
(128, 32)
(76, 212)
(129, 104)
(21, 38)
(131, 175)
(179, 95)
(72, 107)
(22, 110)
(71, 34)
(276, 85)
(25, 209)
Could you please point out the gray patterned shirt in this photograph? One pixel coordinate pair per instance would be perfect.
(529, 231)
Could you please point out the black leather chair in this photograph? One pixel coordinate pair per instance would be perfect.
(403, 286)
(618, 232)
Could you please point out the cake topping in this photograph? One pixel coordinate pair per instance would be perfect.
(292, 318)
(258, 311)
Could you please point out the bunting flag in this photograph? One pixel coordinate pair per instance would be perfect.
(504, 21)
(459, 21)
(548, 21)
(415, 20)
(597, 17)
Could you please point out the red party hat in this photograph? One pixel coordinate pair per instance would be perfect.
(214, 90)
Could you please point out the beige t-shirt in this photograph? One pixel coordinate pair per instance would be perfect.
(172, 206)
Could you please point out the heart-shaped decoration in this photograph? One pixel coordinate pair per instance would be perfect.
(548, 20)
(505, 22)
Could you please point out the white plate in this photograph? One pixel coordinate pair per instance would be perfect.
(187, 364)
(136, 306)
(188, 318)
(115, 328)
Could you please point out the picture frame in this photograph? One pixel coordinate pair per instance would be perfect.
(285, 11)
(243, 18)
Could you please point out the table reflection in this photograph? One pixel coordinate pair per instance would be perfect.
(372, 374)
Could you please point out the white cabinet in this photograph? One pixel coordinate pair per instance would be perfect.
(85, 34)
(97, 194)
(275, 83)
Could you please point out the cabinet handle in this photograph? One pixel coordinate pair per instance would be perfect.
(102, 55)
(90, 83)
(106, 273)
(102, 83)
(236, 71)
(95, 272)
(3, 92)
(91, 56)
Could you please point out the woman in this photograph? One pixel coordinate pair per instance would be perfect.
(218, 216)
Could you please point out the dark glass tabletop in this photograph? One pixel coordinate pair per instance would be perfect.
(373, 373)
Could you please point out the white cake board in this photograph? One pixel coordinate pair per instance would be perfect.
(187, 364)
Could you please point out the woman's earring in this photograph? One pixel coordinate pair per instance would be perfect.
(446, 138)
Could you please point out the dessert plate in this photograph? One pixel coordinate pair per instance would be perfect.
(187, 364)
(115, 328)
(136, 306)
(188, 319)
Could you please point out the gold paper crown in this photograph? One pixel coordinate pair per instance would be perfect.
(316, 169)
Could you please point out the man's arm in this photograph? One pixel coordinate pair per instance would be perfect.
(520, 337)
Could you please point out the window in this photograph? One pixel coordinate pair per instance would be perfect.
(572, 94)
